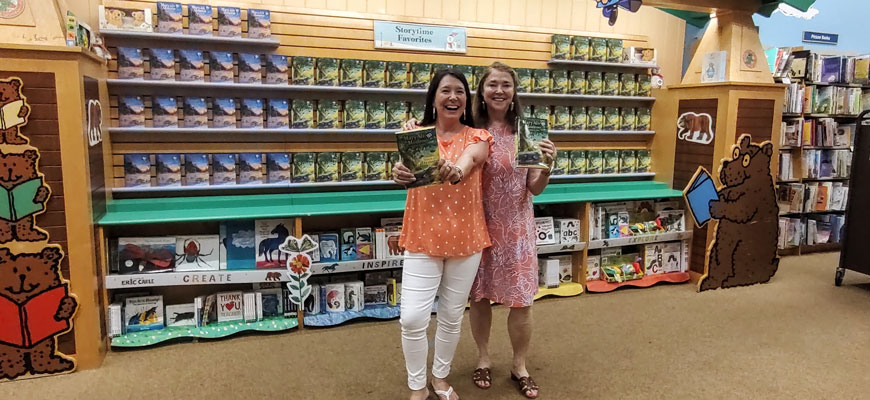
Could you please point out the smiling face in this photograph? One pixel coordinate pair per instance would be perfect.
(498, 91)
(450, 98)
(24, 275)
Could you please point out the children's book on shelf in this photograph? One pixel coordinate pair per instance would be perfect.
(168, 169)
(644, 85)
(611, 119)
(565, 267)
(548, 272)
(593, 267)
(278, 167)
(351, 166)
(561, 118)
(131, 111)
(375, 294)
(364, 243)
(541, 112)
(642, 119)
(627, 161)
(562, 163)
(330, 248)
(303, 70)
(595, 118)
(350, 72)
(832, 68)
(250, 68)
(561, 47)
(348, 244)
(597, 49)
(144, 313)
(785, 166)
(162, 63)
(302, 113)
(532, 132)
(303, 167)
(420, 74)
(169, 17)
(237, 240)
(579, 48)
(354, 114)
(627, 84)
(594, 162)
(139, 255)
(545, 231)
(611, 162)
(611, 84)
(259, 24)
(567, 230)
(124, 19)
(374, 73)
(614, 50)
(199, 19)
(272, 304)
(279, 114)
(397, 74)
(224, 112)
(137, 170)
(249, 306)
(541, 82)
(115, 320)
(269, 235)
(130, 63)
(192, 67)
(578, 162)
(578, 118)
(419, 151)
(559, 81)
(393, 292)
(627, 119)
(594, 83)
(251, 168)
(674, 259)
(224, 169)
(195, 112)
(375, 167)
(164, 112)
(335, 297)
(396, 114)
(524, 80)
(327, 114)
(577, 82)
(790, 197)
(180, 315)
(196, 169)
(277, 71)
(209, 312)
(327, 167)
(327, 71)
(229, 21)
(353, 296)
(229, 306)
(220, 66)
(643, 161)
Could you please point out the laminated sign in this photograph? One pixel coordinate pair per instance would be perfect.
(398, 36)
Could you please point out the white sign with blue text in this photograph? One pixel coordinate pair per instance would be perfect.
(400, 36)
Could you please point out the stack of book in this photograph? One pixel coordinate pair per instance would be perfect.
(825, 196)
(835, 100)
(791, 232)
(790, 198)
(826, 132)
(822, 164)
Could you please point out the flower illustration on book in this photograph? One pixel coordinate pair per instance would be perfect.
(298, 262)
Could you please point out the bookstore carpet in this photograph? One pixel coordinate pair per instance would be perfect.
(799, 337)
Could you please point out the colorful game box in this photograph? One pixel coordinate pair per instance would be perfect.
(397, 74)
(229, 21)
(168, 169)
(278, 167)
(594, 83)
(580, 48)
(611, 119)
(259, 24)
(224, 169)
(251, 168)
(611, 162)
(327, 114)
(279, 114)
(223, 112)
(162, 64)
(164, 111)
(276, 69)
(351, 166)
(578, 162)
(375, 167)
(191, 65)
(542, 81)
(396, 114)
(627, 161)
(327, 167)
(421, 73)
(302, 114)
(131, 111)
(137, 170)
(374, 73)
(577, 82)
(627, 119)
(559, 81)
(199, 17)
(252, 113)
(250, 68)
(594, 161)
(611, 84)
(220, 66)
(595, 118)
(303, 167)
(327, 71)
(350, 72)
(196, 169)
(169, 16)
(303, 70)
(375, 115)
(578, 118)
(627, 84)
(130, 64)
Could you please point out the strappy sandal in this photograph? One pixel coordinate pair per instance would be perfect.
(526, 384)
(482, 375)
(439, 393)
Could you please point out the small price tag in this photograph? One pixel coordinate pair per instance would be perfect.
(786, 80)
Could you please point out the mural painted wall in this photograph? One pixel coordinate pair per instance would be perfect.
(848, 18)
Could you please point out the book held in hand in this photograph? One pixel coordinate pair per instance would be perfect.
(30, 322)
(419, 151)
(531, 132)
(700, 192)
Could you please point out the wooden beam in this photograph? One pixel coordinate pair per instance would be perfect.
(706, 6)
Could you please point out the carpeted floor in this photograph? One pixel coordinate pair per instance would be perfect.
(798, 337)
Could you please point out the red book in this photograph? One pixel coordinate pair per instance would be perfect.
(24, 325)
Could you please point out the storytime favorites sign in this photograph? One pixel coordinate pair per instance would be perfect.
(401, 36)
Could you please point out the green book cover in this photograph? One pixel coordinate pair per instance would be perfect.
(644, 85)
(561, 48)
(376, 115)
(578, 118)
(563, 162)
(643, 161)
(611, 119)
(303, 114)
(627, 120)
(614, 50)
(468, 71)
(374, 73)
(393, 157)
(524, 78)
(417, 110)
(541, 112)
(419, 151)
(531, 132)
(303, 70)
(559, 81)
(351, 166)
(597, 49)
(577, 82)
(397, 75)
(327, 167)
(527, 112)
(580, 48)
(542, 81)
(561, 118)
(611, 84)
(17, 203)
(396, 114)
(611, 162)
(627, 85)
(303, 167)
(327, 114)
(594, 83)
(354, 114)
(642, 119)
(594, 118)
(627, 161)
(578, 162)
(594, 162)
(350, 72)
(375, 167)
(327, 71)
(421, 73)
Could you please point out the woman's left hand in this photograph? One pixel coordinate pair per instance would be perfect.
(548, 148)
(448, 172)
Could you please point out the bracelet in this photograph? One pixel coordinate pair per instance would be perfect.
(461, 175)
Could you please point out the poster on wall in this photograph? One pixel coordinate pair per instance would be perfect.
(713, 67)
(402, 36)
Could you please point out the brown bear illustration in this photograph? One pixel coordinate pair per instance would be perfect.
(695, 127)
(15, 170)
(744, 248)
(31, 282)
(10, 92)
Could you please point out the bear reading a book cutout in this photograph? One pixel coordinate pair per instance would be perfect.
(13, 112)
(24, 195)
(35, 308)
(743, 251)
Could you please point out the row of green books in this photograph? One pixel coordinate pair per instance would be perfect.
(592, 118)
(581, 82)
(371, 73)
(593, 162)
(583, 48)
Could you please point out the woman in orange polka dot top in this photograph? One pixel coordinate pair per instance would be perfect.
(444, 233)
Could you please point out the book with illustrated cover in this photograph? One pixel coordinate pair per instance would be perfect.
(180, 315)
(577, 82)
(421, 73)
(862, 70)
(597, 49)
(327, 167)
(223, 112)
(276, 69)
(627, 120)
(327, 114)
(580, 48)
(162, 64)
(375, 167)
(614, 50)
(525, 81)
(478, 71)
(542, 81)
(273, 303)
(832, 68)
(643, 161)
(627, 161)
(397, 74)
(229, 21)
(578, 118)
(642, 119)
(303, 70)
(164, 111)
(354, 114)
(279, 113)
(192, 68)
(197, 253)
(278, 167)
(327, 71)
(561, 47)
(351, 166)
(229, 306)
(145, 255)
(269, 235)
(350, 72)
(199, 19)
(416, 111)
(144, 313)
(374, 73)
(594, 83)
(376, 115)
(563, 162)
(541, 112)
(527, 112)
(168, 169)
(396, 114)
(334, 297)
(220, 66)
(530, 133)
(627, 84)
(561, 118)
(594, 161)
(224, 169)
(329, 247)
(113, 18)
(302, 114)
(196, 169)
(611, 84)
(644, 85)
(251, 168)
(578, 162)
(250, 68)
(353, 296)
(611, 119)
(393, 157)
(131, 111)
(303, 167)
(559, 81)
(130, 63)
(251, 111)
(169, 17)
(137, 170)
(419, 151)
(595, 118)
(259, 24)
(348, 244)
(195, 112)
(611, 162)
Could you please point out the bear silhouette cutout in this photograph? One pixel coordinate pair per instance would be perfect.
(31, 286)
(20, 181)
(743, 251)
(14, 112)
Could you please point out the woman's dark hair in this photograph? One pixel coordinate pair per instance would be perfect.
(481, 114)
(429, 112)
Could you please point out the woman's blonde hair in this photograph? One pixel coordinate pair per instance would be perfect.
(481, 114)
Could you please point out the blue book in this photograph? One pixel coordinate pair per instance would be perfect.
(237, 244)
(329, 247)
(831, 68)
(699, 194)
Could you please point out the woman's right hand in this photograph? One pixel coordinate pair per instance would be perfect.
(402, 175)
(411, 124)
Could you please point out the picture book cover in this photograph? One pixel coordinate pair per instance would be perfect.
(251, 168)
(144, 313)
(611, 119)
(169, 17)
(525, 81)
(628, 119)
(162, 63)
(862, 70)
(541, 112)
(594, 83)
(223, 112)
(199, 19)
(329, 247)
(195, 112)
(396, 114)
(138, 255)
(353, 296)
(327, 167)
(278, 167)
(269, 235)
(168, 169)
(335, 297)
(578, 118)
(611, 84)
(561, 118)
(180, 315)
(545, 232)
(229, 20)
(578, 162)
(559, 81)
(376, 115)
(303, 167)
(315, 255)
(644, 85)
(393, 292)
(137, 170)
(627, 161)
(272, 303)
(124, 19)
(374, 73)
(164, 111)
(220, 66)
(416, 111)
(577, 82)
(237, 241)
(197, 253)
(594, 161)
(130, 63)
(350, 72)
(397, 75)
(561, 48)
(351, 166)
(279, 113)
(627, 85)
(354, 114)
(196, 169)
(302, 114)
(643, 118)
(192, 67)
(364, 243)
(421, 73)
(542, 81)
(251, 111)
(653, 258)
(563, 162)
(713, 66)
(531, 132)
(597, 49)
(823, 102)
(611, 162)
(327, 114)
(259, 24)
(375, 167)
(595, 118)
(700, 192)
(277, 71)
(131, 111)
(224, 168)
(393, 157)
(419, 151)
(250, 68)
(327, 71)
(673, 220)
(375, 294)
(303, 70)
(580, 48)
(593, 268)
(348, 244)
(614, 50)
(229, 306)
(831, 69)
(643, 161)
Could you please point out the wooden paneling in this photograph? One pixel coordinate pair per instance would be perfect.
(755, 117)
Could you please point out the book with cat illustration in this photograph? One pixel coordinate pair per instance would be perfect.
(530, 134)
(419, 151)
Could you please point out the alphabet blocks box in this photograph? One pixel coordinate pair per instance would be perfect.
(567, 230)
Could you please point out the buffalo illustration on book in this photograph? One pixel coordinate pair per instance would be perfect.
(419, 151)
(250, 68)
(199, 19)
(270, 234)
(697, 128)
(259, 24)
(238, 245)
(251, 168)
(278, 167)
(277, 70)
(192, 67)
(196, 169)
(130, 63)
(24, 196)
(146, 254)
(195, 112)
(197, 253)
(168, 169)
(251, 111)
(162, 64)
(137, 170)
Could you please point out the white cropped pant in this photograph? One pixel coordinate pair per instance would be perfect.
(422, 277)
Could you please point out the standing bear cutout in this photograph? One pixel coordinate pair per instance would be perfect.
(23, 185)
(13, 112)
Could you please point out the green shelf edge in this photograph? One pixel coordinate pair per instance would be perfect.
(214, 331)
(288, 205)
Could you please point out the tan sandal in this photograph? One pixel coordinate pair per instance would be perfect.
(482, 375)
(526, 384)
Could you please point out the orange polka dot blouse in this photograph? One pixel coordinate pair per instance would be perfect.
(447, 220)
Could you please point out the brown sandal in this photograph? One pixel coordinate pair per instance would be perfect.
(526, 384)
(482, 375)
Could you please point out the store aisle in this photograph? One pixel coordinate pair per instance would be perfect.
(797, 337)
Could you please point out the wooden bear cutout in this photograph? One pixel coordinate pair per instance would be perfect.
(36, 305)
